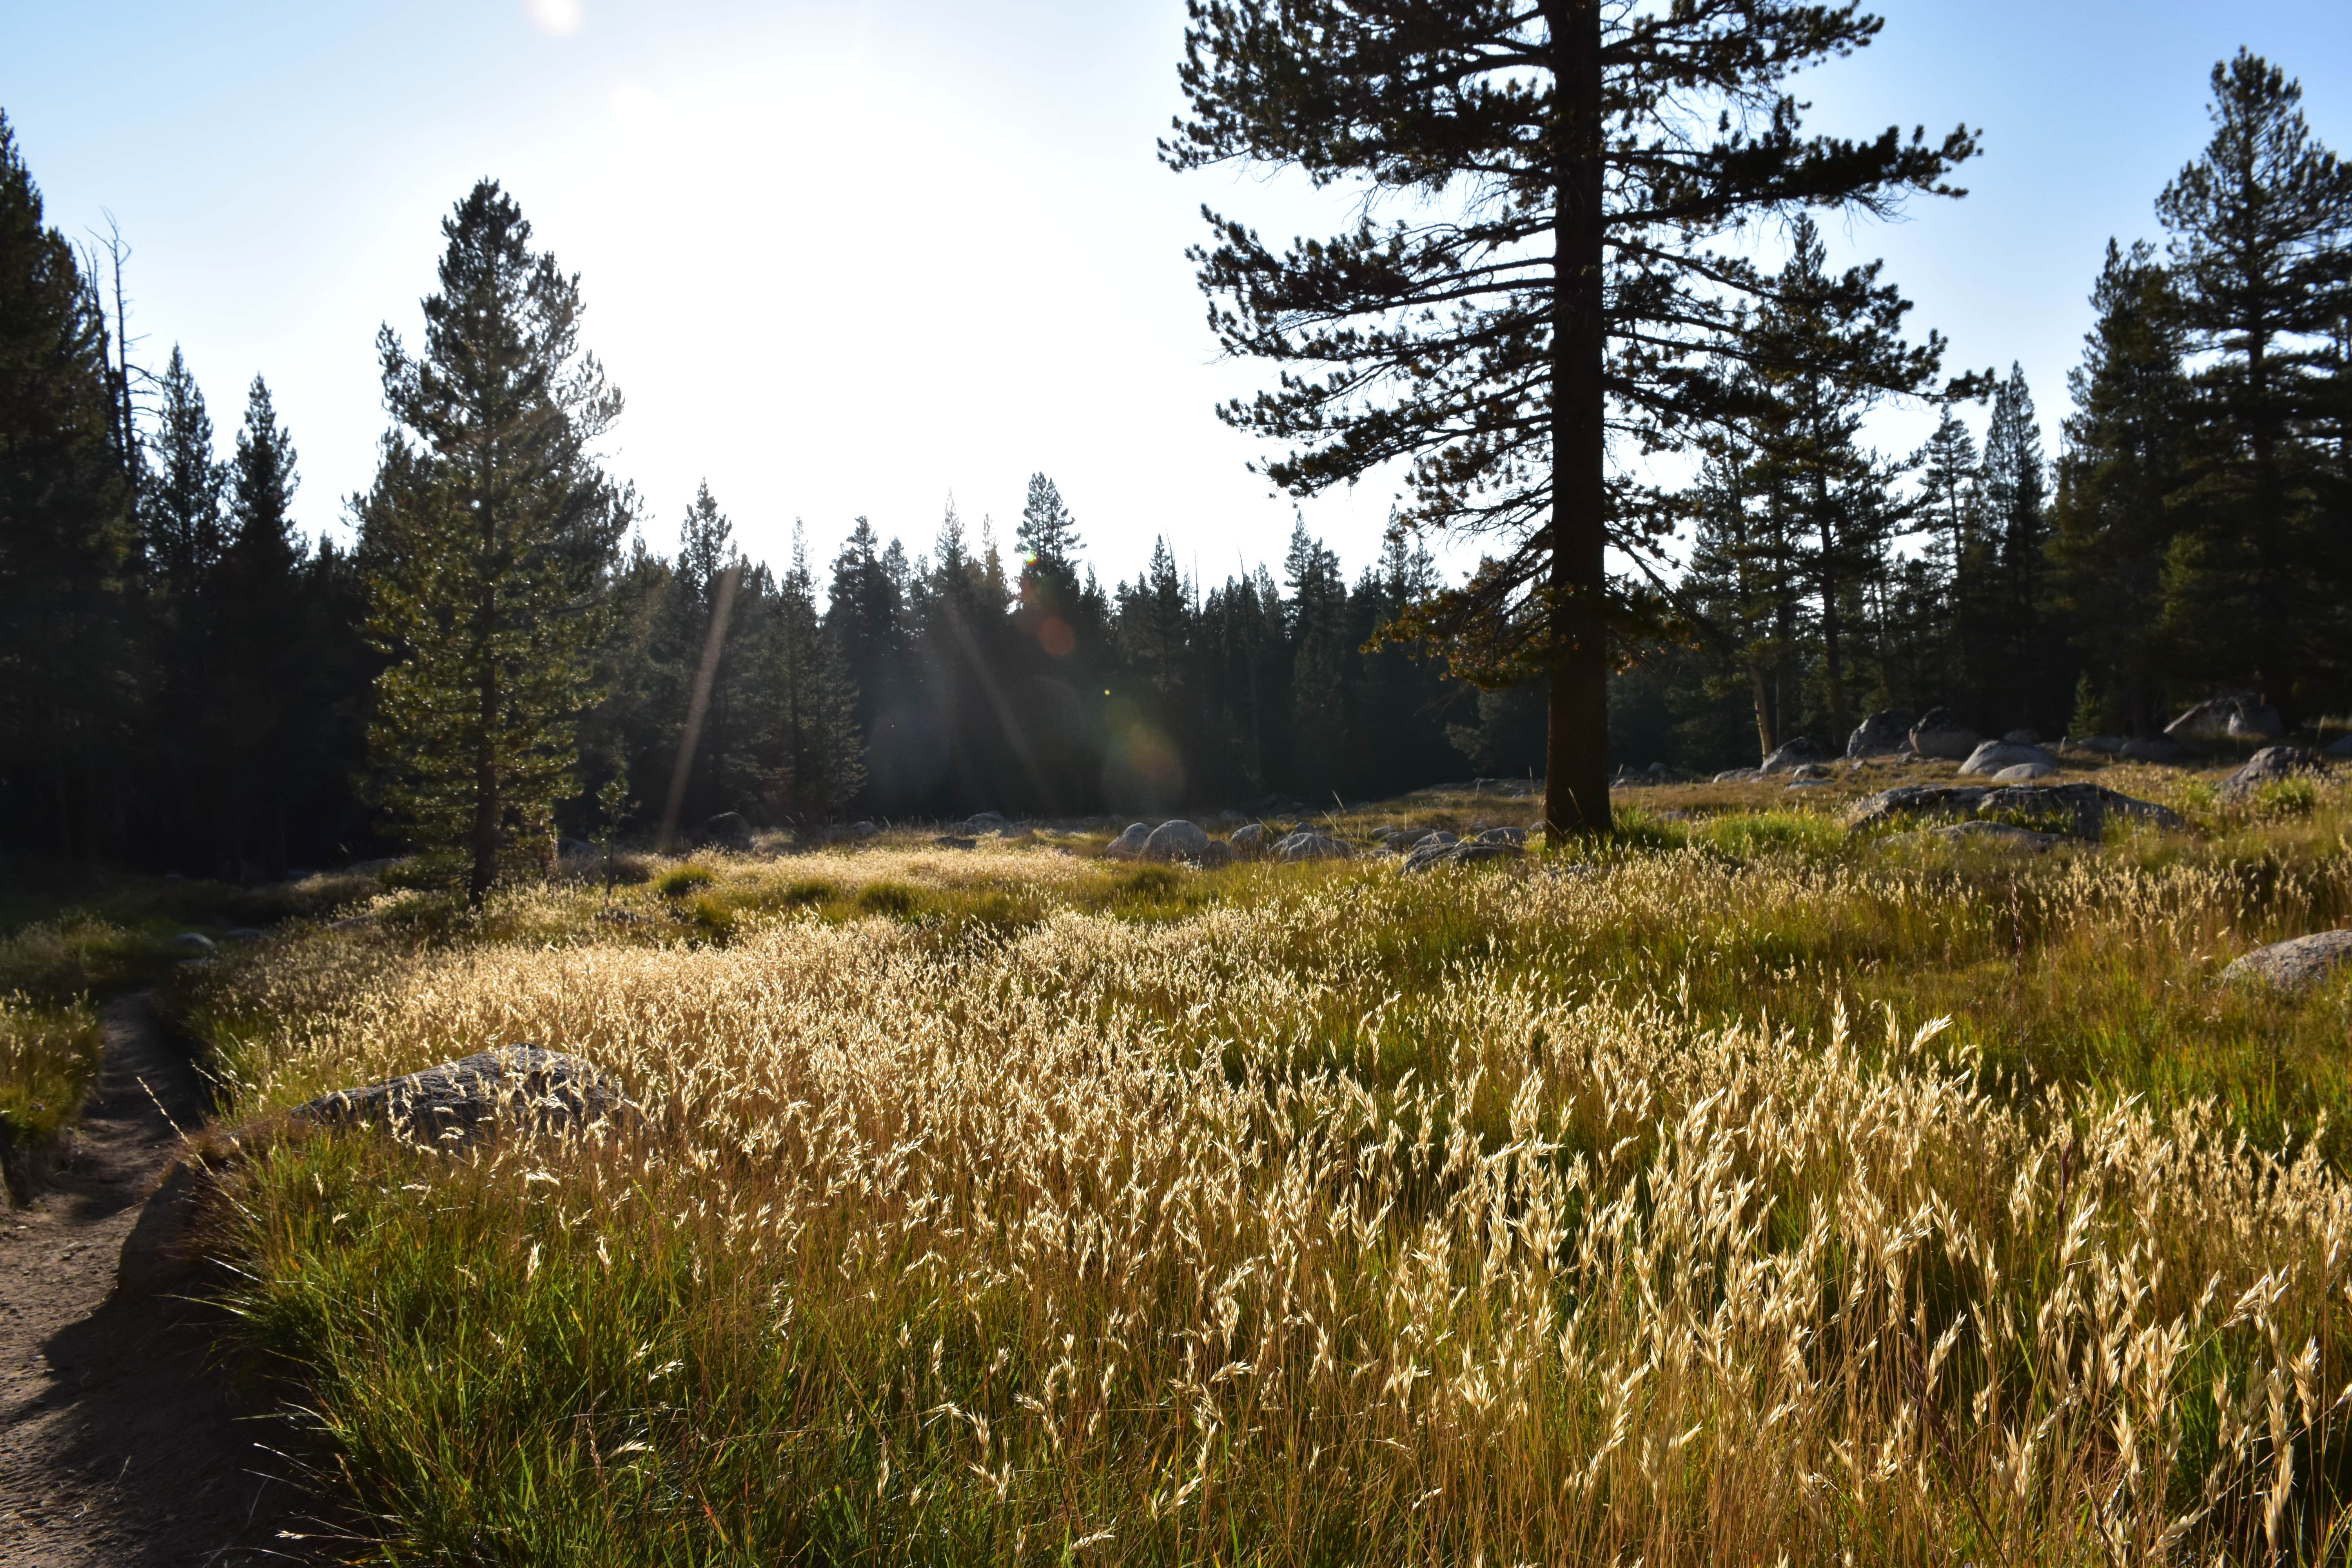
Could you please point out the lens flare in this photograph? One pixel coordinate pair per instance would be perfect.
(557, 18)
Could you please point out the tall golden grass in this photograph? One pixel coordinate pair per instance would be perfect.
(1349, 1220)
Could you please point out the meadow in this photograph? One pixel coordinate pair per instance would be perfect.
(1736, 1192)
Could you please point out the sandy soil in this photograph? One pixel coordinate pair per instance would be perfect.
(119, 1444)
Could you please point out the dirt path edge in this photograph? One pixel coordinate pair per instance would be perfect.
(120, 1443)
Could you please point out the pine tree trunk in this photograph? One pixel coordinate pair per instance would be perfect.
(486, 758)
(1763, 691)
(2268, 607)
(1576, 753)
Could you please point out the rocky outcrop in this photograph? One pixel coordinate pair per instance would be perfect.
(1249, 839)
(2023, 772)
(2296, 965)
(1992, 834)
(510, 1087)
(1130, 844)
(1306, 845)
(2082, 809)
(728, 830)
(1175, 840)
(2269, 765)
(1792, 755)
(2153, 749)
(1504, 836)
(1991, 756)
(1428, 855)
(2258, 721)
(1941, 733)
(2242, 717)
(1883, 734)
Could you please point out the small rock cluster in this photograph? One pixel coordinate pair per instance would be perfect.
(457, 1102)
(2083, 809)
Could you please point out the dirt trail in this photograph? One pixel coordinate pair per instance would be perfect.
(118, 1446)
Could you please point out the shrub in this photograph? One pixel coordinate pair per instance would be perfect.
(679, 880)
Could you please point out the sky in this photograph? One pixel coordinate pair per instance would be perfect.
(847, 259)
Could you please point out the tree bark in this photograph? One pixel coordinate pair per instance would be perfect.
(486, 746)
(1576, 753)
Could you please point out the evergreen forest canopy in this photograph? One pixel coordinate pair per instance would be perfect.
(511, 649)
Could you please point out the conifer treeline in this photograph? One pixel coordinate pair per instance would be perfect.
(2193, 536)
(186, 681)
(952, 680)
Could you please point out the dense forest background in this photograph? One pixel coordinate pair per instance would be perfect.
(189, 681)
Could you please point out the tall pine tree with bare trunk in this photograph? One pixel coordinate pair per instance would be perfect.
(1574, 165)
(488, 538)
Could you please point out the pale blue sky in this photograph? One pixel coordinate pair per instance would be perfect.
(843, 257)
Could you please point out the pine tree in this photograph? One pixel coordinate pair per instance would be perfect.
(1048, 534)
(1319, 659)
(815, 698)
(2260, 225)
(1822, 352)
(489, 532)
(65, 707)
(2015, 489)
(2113, 523)
(185, 486)
(1585, 159)
(181, 515)
(265, 654)
(1951, 507)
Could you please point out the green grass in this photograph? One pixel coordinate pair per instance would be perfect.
(774, 1324)
(69, 939)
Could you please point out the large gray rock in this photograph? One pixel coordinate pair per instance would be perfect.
(1883, 734)
(1792, 755)
(1428, 855)
(863, 830)
(1739, 775)
(1504, 836)
(2087, 806)
(980, 822)
(1215, 853)
(1990, 835)
(2153, 749)
(1249, 839)
(2214, 719)
(1941, 733)
(2296, 965)
(1992, 756)
(1128, 844)
(1176, 840)
(1306, 845)
(2269, 765)
(2024, 772)
(509, 1088)
(2256, 721)
(728, 830)
(2083, 808)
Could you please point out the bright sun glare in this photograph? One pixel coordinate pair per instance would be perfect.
(560, 17)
